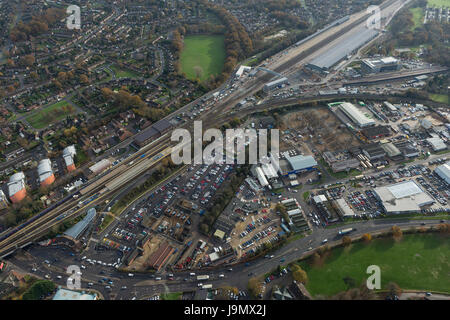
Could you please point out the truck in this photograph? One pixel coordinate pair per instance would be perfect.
(203, 277)
(346, 231)
(207, 286)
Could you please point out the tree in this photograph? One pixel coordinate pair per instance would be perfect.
(394, 289)
(299, 274)
(27, 60)
(367, 237)
(346, 241)
(254, 287)
(396, 232)
(84, 79)
(443, 228)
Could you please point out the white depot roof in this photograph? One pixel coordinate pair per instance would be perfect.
(17, 177)
(405, 196)
(437, 143)
(444, 172)
(68, 154)
(346, 210)
(355, 114)
(269, 170)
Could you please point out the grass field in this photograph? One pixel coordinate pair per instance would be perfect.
(50, 114)
(418, 16)
(419, 261)
(171, 296)
(123, 73)
(439, 3)
(440, 97)
(202, 56)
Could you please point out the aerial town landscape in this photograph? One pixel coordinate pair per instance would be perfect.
(352, 204)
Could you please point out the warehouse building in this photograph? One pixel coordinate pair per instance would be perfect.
(403, 197)
(347, 45)
(437, 144)
(241, 71)
(443, 172)
(377, 132)
(379, 65)
(343, 208)
(16, 187)
(261, 178)
(391, 150)
(274, 84)
(355, 115)
(374, 152)
(68, 154)
(45, 172)
(296, 164)
(389, 106)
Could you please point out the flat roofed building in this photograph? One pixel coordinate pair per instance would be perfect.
(391, 150)
(356, 115)
(437, 144)
(443, 172)
(403, 197)
(343, 208)
(274, 84)
(297, 164)
(379, 65)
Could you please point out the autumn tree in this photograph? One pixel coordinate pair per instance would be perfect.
(367, 237)
(396, 232)
(255, 287)
(27, 60)
(299, 274)
(346, 241)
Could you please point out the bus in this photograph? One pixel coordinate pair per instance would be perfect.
(346, 231)
(203, 277)
(207, 286)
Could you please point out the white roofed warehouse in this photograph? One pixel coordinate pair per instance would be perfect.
(355, 115)
(403, 197)
(443, 172)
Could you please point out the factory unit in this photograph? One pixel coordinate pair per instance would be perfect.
(274, 84)
(16, 187)
(68, 154)
(403, 197)
(261, 178)
(355, 115)
(45, 172)
(443, 172)
(296, 164)
(379, 65)
(241, 71)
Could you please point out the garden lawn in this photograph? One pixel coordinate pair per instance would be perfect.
(202, 56)
(418, 261)
(53, 113)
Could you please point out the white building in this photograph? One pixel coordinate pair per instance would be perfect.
(68, 154)
(403, 197)
(443, 172)
(356, 115)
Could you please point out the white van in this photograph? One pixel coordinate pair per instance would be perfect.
(131, 275)
(158, 278)
(192, 274)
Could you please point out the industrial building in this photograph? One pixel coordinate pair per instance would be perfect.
(68, 154)
(343, 208)
(261, 178)
(377, 132)
(355, 115)
(16, 187)
(391, 150)
(3, 201)
(296, 164)
(274, 84)
(389, 106)
(403, 197)
(437, 144)
(379, 65)
(443, 172)
(347, 45)
(45, 172)
(241, 71)
(374, 152)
